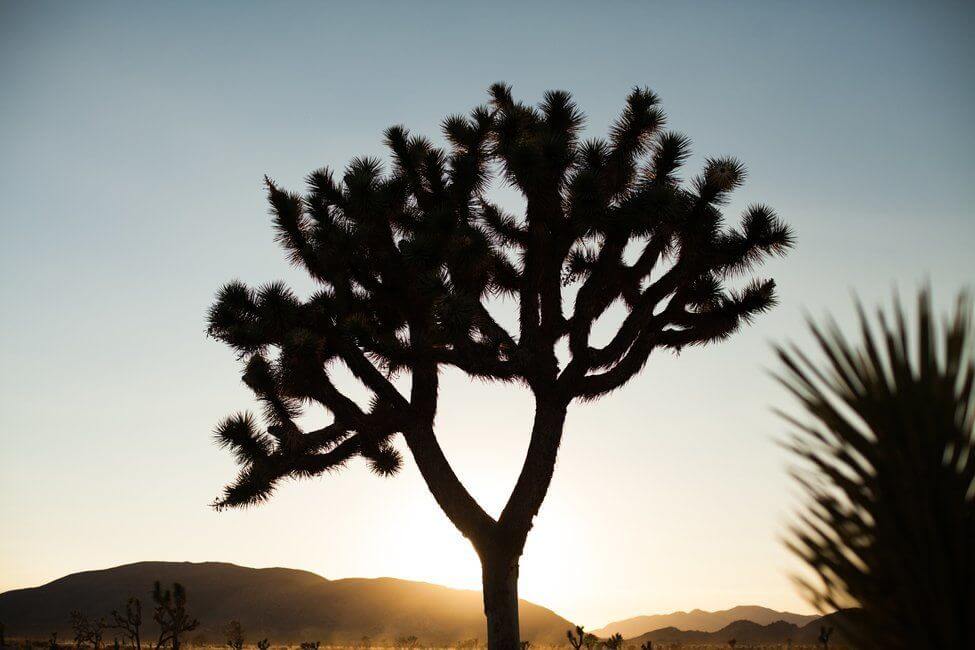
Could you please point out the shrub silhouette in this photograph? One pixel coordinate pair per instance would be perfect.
(646, 646)
(889, 443)
(577, 639)
(408, 642)
(86, 631)
(234, 635)
(263, 644)
(130, 623)
(408, 262)
(170, 614)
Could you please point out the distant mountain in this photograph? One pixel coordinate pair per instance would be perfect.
(750, 633)
(700, 620)
(284, 605)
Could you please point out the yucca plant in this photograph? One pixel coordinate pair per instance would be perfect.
(888, 463)
(407, 260)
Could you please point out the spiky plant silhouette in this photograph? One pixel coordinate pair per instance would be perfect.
(576, 639)
(888, 450)
(171, 615)
(129, 623)
(410, 260)
(614, 642)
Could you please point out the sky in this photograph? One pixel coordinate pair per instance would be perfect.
(133, 142)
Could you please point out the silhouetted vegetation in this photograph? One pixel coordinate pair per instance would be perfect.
(171, 615)
(130, 623)
(234, 635)
(408, 261)
(889, 437)
(407, 642)
(86, 631)
(576, 640)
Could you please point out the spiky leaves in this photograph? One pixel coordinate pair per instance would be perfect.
(409, 257)
(888, 449)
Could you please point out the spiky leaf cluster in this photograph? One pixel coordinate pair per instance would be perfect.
(888, 446)
(408, 258)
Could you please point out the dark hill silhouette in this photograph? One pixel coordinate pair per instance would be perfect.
(748, 632)
(285, 605)
(701, 620)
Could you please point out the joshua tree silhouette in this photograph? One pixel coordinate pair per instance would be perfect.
(130, 623)
(86, 631)
(263, 644)
(170, 614)
(615, 642)
(576, 640)
(410, 261)
(889, 436)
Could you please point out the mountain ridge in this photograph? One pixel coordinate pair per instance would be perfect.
(286, 605)
(701, 620)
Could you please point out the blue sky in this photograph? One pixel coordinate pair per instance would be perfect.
(133, 141)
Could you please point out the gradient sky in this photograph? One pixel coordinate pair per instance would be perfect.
(133, 140)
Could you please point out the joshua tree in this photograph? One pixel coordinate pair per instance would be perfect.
(591, 641)
(170, 614)
(408, 263)
(576, 640)
(888, 434)
(130, 623)
(86, 631)
(615, 642)
(646, 646)
(263, 644)
(52, 643)
(235, 635)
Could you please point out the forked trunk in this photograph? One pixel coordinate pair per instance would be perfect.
(500, 579)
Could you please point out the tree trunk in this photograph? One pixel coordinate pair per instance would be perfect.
(500, 579)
